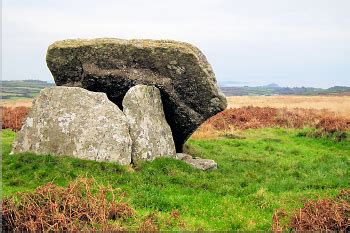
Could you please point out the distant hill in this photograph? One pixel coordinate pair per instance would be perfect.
(30, 88)
(273, 85)
(22, 88)
(274, 89)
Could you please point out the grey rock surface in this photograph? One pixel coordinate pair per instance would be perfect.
(149, 131)
(182, 73)
(182, 156)
(75, 122)
(199, 163)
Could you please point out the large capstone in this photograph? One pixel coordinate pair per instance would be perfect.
(149, 131)
(76, 122)
(181, 72)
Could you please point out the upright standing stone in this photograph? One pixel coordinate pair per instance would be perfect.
(75, 122)
(180, 70)
(150, 133)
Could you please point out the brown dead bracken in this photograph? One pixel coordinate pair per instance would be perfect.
(318, 215)
(233, 118)
(83, 205)
(260, 117)
(12, 118)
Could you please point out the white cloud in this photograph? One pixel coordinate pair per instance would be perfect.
(258, 39)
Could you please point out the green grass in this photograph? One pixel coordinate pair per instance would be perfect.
(18, 89)
(267, 170)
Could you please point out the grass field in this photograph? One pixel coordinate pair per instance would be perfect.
(337, 104)
(23, 102)
(16, 90)
(259, 172)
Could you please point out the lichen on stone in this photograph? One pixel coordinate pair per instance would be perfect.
(179, 70)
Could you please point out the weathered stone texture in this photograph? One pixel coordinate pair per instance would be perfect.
(186, 80)
(149, 131)
(76, 122)
(199, 163)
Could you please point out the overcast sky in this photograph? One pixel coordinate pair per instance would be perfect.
(291, 43)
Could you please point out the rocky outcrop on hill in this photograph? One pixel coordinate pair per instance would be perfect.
(185, 79)
(76, 122)
(149, 130)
